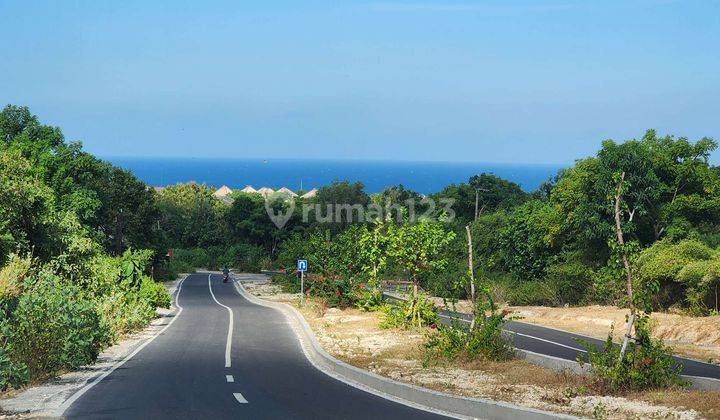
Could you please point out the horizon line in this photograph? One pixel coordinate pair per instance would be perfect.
(386, 160)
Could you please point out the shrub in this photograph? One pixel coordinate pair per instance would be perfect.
(11, 374)
(484, 338)
(647, 363)
(12, 276)
(247, 258)
(288, 282)
(369, 299)
(124, 312)
(417, 311)
(702, 279)
(336, 292)
(154, 293)
(176, 267)
(569, 281)
(53, 327)
(533, 292)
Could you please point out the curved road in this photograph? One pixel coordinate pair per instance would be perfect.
(182, 373)
(565, 345)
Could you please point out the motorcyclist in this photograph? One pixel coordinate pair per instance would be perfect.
(226, 273)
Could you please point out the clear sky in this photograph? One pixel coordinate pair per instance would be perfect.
(488, 81)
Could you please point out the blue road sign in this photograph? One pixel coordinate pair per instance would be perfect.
(302, 265)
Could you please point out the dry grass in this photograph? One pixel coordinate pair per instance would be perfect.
(689, 336)
(706, 403)
(694, 337)
(355, 337)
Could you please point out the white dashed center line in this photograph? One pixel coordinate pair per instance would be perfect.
(229, 378)
(239, 397)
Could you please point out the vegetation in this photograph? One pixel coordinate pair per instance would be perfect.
(71, 278)
(647, 364)
(637, 225)
(484, 338)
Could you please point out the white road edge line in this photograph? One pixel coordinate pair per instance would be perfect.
(228, 343)
(239, 397)
(522, 335)
(229, 378)
(61, 410)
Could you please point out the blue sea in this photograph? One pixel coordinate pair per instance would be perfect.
(423, 177)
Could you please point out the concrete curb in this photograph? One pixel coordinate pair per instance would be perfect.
(411, 395)
(558, 364)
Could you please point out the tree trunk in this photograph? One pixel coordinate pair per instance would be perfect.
(477, 199)
(118, 234)
(470, 266)
(626, 264)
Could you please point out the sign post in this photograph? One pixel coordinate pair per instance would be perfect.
(302, 266)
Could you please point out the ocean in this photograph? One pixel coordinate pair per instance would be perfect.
(423, 177)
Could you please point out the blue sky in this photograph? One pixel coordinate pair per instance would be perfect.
(487, 81)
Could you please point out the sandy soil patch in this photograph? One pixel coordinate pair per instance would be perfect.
(356, 338)
(694, 337)
(269, 291)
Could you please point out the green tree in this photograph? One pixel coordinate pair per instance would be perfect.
(490, 192)
(339, 204)
(418, 249)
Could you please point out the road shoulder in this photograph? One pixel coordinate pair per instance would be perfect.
(405, 393)
(353, 337)
(49, 399)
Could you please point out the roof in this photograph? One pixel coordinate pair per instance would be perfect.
(265, 191)
(287, 191)
(223, 191)
(310, 194)
(249, 189)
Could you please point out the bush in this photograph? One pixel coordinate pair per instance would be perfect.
(484, 338)
(369, 299)
(335, 292)
(569, 281)
(529, 293)
(176, 267)
(647, 363)
(11, 374)
(288, 282)
(124, 312)
(53, 327)
(12, 276)
(248, 258)
(154, 293)
(417, 311)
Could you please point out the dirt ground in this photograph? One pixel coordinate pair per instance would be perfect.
(355, 337)
(694, 337)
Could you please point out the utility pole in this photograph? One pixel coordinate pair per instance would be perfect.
(470, 265)
(477, 199)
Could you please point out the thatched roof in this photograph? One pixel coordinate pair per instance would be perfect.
(265, 191)
(287, 191)
(249, 189)
(223, 191)
(310, 194)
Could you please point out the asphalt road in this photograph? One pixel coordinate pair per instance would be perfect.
(565, 345)
(184, 372)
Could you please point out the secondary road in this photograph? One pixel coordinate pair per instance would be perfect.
(565, 345)
(224, 357)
